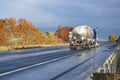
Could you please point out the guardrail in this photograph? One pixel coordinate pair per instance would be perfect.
(109, 70)
(109, 66)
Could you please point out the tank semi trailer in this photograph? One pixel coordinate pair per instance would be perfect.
(83, 36)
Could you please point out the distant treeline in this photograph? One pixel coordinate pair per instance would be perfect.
(23, 32)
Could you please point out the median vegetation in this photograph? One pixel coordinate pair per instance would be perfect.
(23, 34)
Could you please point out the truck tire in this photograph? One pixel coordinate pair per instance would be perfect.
(73, 48)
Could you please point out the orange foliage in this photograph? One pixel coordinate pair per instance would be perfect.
(2, 35)
(23, 32)
(63, 32)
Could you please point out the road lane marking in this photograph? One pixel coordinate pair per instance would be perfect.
(72, 68)
(38, 64)
(31, 54)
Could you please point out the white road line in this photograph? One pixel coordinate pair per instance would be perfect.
(32, 54)
(38, 64)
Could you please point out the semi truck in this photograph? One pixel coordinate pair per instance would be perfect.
(83, 36)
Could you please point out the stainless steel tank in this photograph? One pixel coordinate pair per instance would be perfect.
(82, 32)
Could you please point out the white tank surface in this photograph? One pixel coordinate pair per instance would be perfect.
(82, 32)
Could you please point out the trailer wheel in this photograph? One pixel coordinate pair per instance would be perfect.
(89, 46)
(73, 48)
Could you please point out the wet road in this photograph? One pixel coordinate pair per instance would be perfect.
(49, 63)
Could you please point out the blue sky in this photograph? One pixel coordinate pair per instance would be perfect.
(51, 13)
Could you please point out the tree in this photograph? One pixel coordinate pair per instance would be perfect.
(2, 34)
(63, 32)
(23, 32)
(30, 34)
(112, 37)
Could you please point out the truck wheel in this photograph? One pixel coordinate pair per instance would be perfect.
(89, 47)
(75, 48)
(71, 48)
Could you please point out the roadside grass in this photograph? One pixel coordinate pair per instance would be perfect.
(13, 47)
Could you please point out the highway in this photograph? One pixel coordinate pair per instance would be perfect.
(54, 63)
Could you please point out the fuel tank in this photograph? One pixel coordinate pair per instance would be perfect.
(82, 32)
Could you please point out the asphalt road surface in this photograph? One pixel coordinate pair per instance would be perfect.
(54, 63)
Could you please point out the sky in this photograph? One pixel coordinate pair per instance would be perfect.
(48, 14)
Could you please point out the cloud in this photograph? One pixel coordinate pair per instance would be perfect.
(63, 12)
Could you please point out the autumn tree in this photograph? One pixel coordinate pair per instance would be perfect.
(23, 32)
(50, 38)
(20, 32)
(2, 33)
(30, 34)
(10, 30)
(63, 32)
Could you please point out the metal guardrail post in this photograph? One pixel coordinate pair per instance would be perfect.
(109, 66)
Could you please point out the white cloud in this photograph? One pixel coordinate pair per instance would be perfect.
(61, 11)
